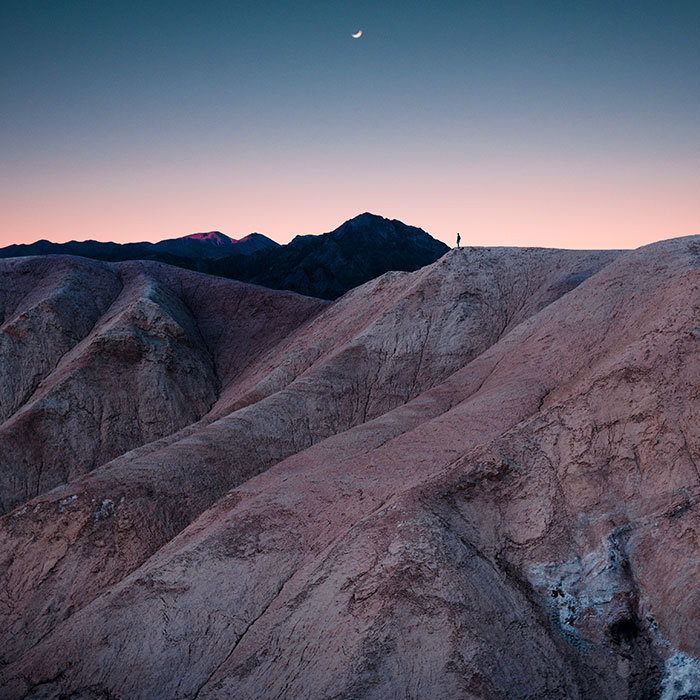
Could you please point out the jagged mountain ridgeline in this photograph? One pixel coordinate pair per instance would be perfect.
(477, 479)
(211, 244)
(324, 266)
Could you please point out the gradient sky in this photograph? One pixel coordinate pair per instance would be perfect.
(555, 123)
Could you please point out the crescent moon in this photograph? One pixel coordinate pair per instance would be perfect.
(357, 34)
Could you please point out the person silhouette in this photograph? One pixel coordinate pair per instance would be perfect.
(458, 240)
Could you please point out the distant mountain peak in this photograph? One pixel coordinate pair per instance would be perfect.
(214, 244)
(368, 216)
(259, 238)
(374, 225)
(365, 219)
(213, 237)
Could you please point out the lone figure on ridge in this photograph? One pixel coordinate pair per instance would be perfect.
(458, 240)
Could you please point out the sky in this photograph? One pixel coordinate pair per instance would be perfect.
(552, 123)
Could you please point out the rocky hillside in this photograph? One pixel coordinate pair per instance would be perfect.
(476, 480)
(324, 266)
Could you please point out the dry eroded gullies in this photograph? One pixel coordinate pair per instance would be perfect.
(477, 480)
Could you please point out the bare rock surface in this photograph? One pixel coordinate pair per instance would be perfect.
(477, 480)
(103, 358)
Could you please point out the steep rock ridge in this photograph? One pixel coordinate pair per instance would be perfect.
(523, 526)
(238, 322)
(368, 353)
(142, 372)
(412, 331)
(45, 306)
(556, 532)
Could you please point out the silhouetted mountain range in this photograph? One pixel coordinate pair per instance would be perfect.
(212, 244)
(324, 266)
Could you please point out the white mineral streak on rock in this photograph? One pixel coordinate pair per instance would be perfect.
(681, 677)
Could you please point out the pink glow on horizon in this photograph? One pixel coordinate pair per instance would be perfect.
(500, 206)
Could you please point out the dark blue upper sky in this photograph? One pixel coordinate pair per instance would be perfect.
(240, 107)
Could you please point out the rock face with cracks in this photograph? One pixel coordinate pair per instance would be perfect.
(477, 480)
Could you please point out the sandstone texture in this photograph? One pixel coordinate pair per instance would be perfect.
(476, 480)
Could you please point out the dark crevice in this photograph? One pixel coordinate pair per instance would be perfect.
(625, 630)
(243, 634)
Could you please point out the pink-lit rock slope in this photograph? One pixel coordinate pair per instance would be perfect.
(477, 480)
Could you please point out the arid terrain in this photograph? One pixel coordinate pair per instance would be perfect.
(479, 479)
